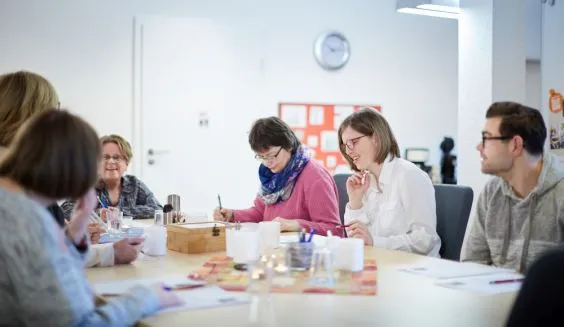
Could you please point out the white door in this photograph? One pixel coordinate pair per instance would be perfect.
(197, 90)
(552, 73)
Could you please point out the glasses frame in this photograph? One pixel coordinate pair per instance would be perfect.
(269, 158)
(116, 160)
(350, 144)
(499, 138)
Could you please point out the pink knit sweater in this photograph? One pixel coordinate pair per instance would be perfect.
(313, 203)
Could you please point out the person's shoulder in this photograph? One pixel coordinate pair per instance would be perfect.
(313, 170)
(408, 171)
(17, 212)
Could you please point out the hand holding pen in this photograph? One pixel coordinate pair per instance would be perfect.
(222, 214)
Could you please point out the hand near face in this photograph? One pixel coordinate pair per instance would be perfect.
(357, 185)
(287, 225)
(356, 229)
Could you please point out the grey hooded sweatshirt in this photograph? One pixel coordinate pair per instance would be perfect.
(511, 232)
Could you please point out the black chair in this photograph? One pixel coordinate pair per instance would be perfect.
(341, 181)
(454, 203)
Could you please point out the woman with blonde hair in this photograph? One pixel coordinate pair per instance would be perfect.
(391, 201)
(115, 188)
(44, 281)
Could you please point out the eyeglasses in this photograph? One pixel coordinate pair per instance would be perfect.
(268, 158)
(485, 138)
(350, 144)
(117, 159)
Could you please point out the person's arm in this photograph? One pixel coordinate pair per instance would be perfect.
(323, 208)
(145, 203)
(475, 246)
(100, 255)
(252, 215)
(417, 196)
(49, 289)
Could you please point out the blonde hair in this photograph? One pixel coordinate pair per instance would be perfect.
(123, 145)
(369, 122)
(22, 95)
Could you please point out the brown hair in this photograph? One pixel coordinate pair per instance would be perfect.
(56, 155)
(272, 131)
(517, 119)
(369, 122)
(22, 95)
(123, 145)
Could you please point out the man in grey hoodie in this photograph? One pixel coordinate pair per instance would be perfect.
(520, 212)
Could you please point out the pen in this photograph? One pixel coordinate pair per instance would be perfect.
(342, 226)
(506, 281)
(310, 235)
(219, 201)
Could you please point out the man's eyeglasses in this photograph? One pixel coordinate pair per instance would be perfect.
(114, 158)
(268, 158)
(352, 142)
(486, 138)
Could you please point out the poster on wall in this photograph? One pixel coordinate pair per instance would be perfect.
(556, 121)
(316, 126)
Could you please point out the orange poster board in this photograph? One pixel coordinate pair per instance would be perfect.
(316, 126)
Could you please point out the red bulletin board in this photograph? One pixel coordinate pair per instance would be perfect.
(316, 126)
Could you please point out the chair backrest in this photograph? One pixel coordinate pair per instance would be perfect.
(341, 181)
(454, 203)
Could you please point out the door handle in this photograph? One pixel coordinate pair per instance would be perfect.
(153, 152)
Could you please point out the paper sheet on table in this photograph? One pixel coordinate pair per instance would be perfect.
(318, 240)
(442, 269)
(481, 284)
(197, 298)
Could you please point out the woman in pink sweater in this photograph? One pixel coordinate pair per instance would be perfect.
(295, 190)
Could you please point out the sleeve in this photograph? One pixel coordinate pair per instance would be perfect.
(417, 197)
(323, 208)
(145, 204)
(100, 255)
(51, 290)
(475, 246)
(252, 215)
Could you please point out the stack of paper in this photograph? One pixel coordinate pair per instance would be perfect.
(468, 276)
(197, 298)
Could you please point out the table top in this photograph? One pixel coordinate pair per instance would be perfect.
(402, 300)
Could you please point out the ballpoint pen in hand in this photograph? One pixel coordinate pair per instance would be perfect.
(219, 202)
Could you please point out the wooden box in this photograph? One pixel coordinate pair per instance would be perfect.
(196, 238)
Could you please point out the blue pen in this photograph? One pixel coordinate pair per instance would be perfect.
(167, 288)
(311, 235)
(302, 235)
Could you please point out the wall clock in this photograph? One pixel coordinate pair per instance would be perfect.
(332, 50)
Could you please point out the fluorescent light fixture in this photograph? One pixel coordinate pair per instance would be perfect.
(436, 8)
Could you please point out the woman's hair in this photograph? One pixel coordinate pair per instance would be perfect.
(55, 154)
(22, 95)
(272, 131)
(369, 122)
(123, 145)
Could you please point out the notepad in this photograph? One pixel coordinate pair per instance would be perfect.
(482, 283)
(443, 269)
(208, 296)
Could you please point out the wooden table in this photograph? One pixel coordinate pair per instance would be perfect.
(403, 299)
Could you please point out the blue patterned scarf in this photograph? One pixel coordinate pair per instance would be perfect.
(277, 187)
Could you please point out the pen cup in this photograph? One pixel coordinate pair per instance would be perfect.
(299, 255)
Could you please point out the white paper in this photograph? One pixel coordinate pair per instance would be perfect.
(341, 112)
(316, 115)
(443, 269)
(197, 298)
(331, 161)
(121, 286)
(294, 115)
(313, 141)
(481, 284)
(329, 141)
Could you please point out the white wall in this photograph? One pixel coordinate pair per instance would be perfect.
(533, 87)
(406, 63)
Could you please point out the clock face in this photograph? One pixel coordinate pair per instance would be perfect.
(332, 50)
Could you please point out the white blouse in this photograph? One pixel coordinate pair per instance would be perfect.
(400, 215)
